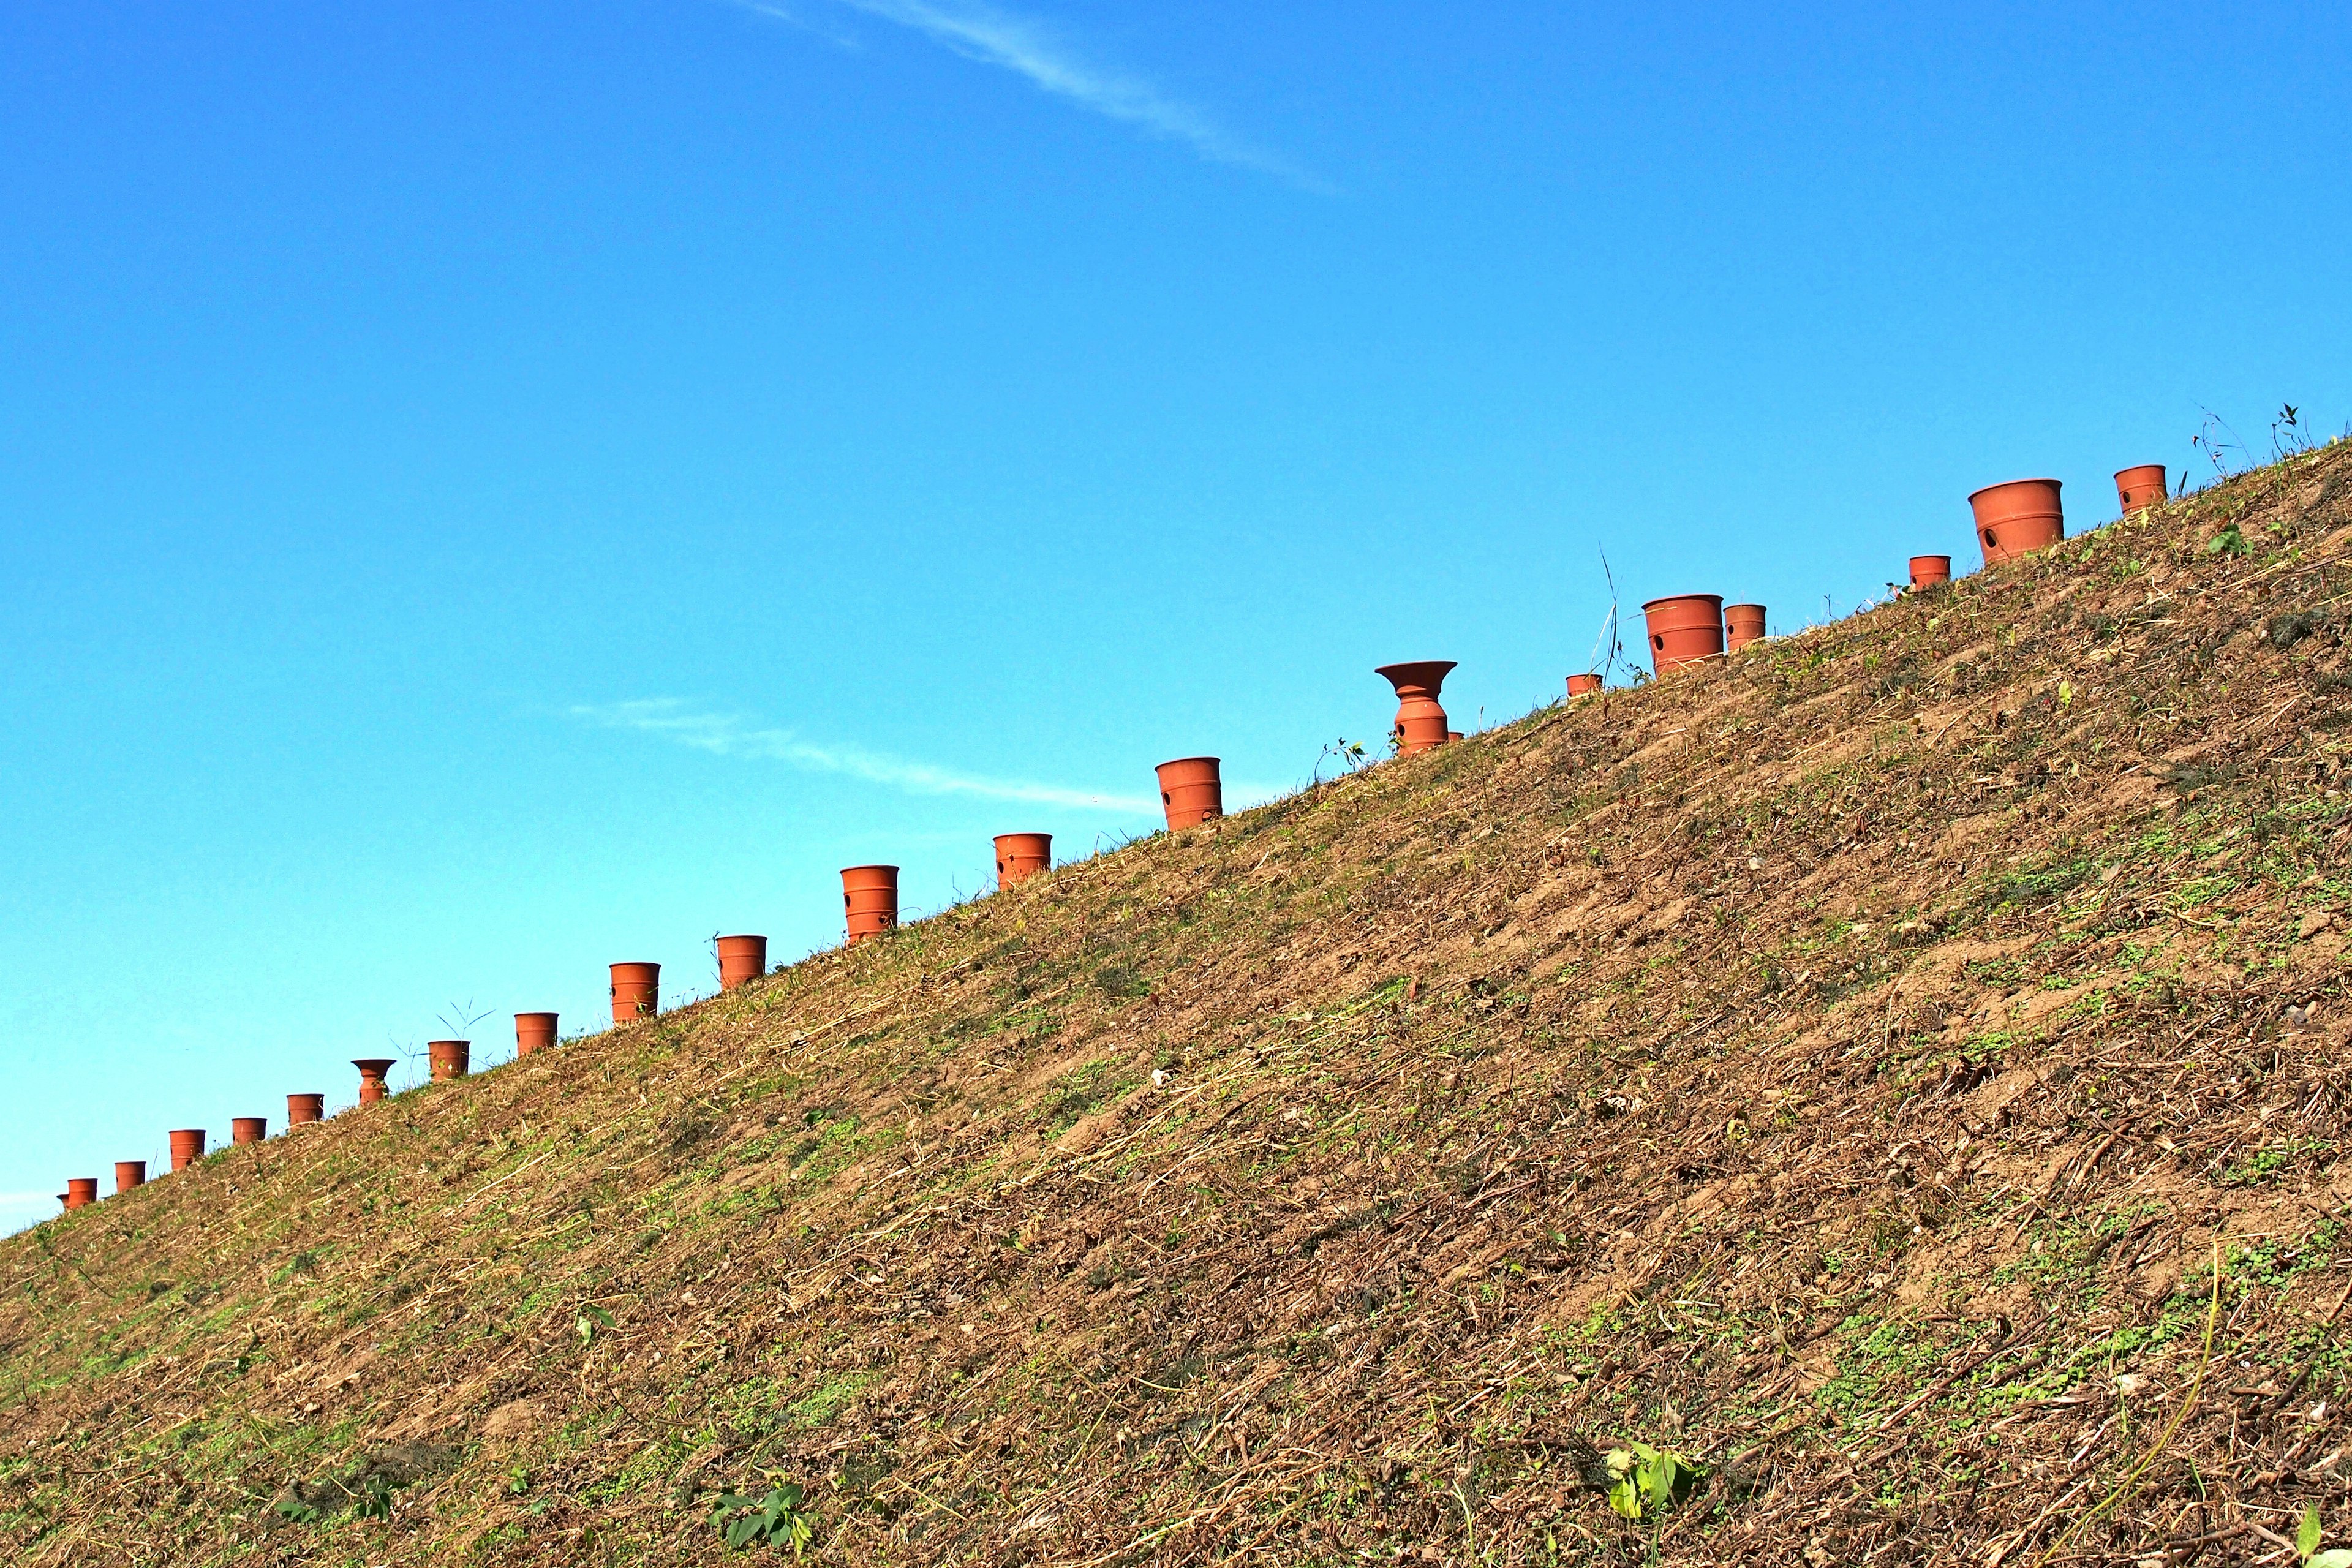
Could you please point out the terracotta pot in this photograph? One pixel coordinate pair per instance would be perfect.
(80, 1192)
(243, 1129)
(373, 1072)
(1927, 569)
(869, 901)
(2141, 486)
(302, 1110)
(2018, 518)
(742, 958)
(1191, 791)
(637, 991)
(533, 1032)
(1582, 685)
(128, 1173)
(1452, 736)
(187, 1147)
(1020, 856)
(1742, 624)
(1684, 628)
(448, 1057)
(1420, 722)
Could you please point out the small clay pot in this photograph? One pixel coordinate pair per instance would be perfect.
(128, 1173)
(187, 1147)
(742, 958)
(533, 1032)
(1583, 685)
(869, 901)
(1192, 792)
(244, 1129)
(1452, 736)
(1420, 722)
(2018, 518)
(1742, 624)
(80, 1192)
(1929, 569)
(1684, 628)
(2141, 486)
(372, 1073)
(637, 991)
(1020, 856)
(302, 1110)
(449, 1059)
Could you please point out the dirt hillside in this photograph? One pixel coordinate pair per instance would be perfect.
(1841, 1070)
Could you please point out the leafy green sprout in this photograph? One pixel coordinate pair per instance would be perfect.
(778, 1518)
(1645, 1482)
(593, 1317)
(2306, 1544)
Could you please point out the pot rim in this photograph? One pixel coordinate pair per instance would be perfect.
(1717, 599)
(382, 1064)
(2053, 484)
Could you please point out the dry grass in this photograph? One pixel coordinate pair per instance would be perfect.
(1838, 1067)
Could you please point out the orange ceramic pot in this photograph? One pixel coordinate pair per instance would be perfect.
(374, 1070)
(742, 958)
(244, 1129)
(2141, 486)
(1420, 722)
(1742, 624)
(1581, 685)
(1020, 856)
(1192, 792)
(1929, 569)
(869, 901)
(1684, 628)
(80, 1192)
(637, 991)
(533, 1032)
(302, 1110)
(128, 1173)
(187, 1147)
(2018, 518)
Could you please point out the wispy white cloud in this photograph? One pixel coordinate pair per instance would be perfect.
(727, 735)
(1030, 48)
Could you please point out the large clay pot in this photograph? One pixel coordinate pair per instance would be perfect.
(1684, 628)
(1420, 722)
(637, 991)
(1929, 569)
(1742, 624)
(869, 901)
(2141, 486)
(244, 1129)
(1192, 792)
(374, 1070)
(302, 1110)
(449, 1059)
(128, 1173)
(80, 1192)
(1020, 856)
(1583, 685)
(742, 958)
(533, 1032)
(2018, 518)
(187, 1147)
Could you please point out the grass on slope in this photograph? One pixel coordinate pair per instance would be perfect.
(1840, 1067)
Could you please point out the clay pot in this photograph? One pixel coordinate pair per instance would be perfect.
(2141, 486)
(449, 1059)
(1191, 791)
(2018, 518)
(372, 1071)
(1420, 722)
(1452, 736)
(1929, 569)
(869, 901)
(1582, 685)
(637, 991)
(302, 1110)
(80, 1192)
(187, 1147)
(1742, 624)
(533, 1032)
(1020, 856)
(244, 1129)
(1684, 628)
(128, 1173)
(742, 958)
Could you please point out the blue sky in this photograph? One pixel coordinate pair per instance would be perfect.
(492, 491)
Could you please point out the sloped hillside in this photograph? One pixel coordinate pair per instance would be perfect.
(1844, 1068)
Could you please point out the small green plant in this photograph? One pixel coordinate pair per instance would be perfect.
(1645, 1482)
(2306, 1544)
(374, 1499)
(2228, 541)
(779, 1518)
(593, 1317)
(293, 1509)
(1348, 754)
